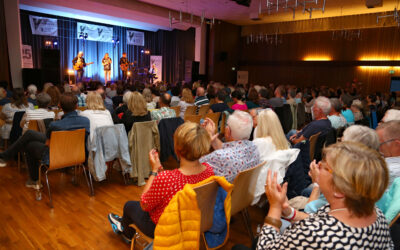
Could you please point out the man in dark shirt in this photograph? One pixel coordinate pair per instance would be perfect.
(79, 61)
(320, 110)
(33, 143)
(124, 65)
(220, 106)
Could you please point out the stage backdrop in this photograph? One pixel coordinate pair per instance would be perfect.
(174, 46)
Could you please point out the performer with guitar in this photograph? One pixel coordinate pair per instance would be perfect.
(124, 65)
(79, 64)
(106, 61)
(153, 73)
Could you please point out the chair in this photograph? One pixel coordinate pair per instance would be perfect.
(394, 220)
(224, 118)
(190, 110)
(62, 144)
(243, 194)
(82, 108)
(140, 238)
(301, 115)
(215, 118)
(293, 109)
(204, 109)
(313, 141)
(193, 118)
(230, 104)
(177, 110)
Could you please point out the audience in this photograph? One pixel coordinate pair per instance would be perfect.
(391, 115)
(164, 111)
(42, 113)
(264, 96)
(31, 91)
(237, 153)
(220, 105)
(200, 99)
(149, 99)
(117, 99)
(136, 112)
(279, 98)
(252, 99)
(335, 117)
(3, 97)
(186, 101)
(238, 99)
(55, 95)
(81, 98)
(191, 142)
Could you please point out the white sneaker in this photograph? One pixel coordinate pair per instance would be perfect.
(3, 163)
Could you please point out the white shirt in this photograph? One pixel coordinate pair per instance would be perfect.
(393, 164)
(97, 118)
(37, 114)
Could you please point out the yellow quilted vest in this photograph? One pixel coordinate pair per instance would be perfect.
(179, 224)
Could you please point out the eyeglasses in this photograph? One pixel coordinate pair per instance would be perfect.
(326, 167)
(395, 139)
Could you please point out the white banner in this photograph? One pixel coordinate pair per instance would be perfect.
(157, 62)
(27, 61)
(135, 37)
(94, 32)
(43, 26)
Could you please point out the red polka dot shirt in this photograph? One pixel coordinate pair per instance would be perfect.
(165, 185)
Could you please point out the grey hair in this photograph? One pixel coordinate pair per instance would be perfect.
(147, 95)
(240, 124)
(324, 104)
(32, 89)
(43, 100)
(391, 115)
(335, 102)
(126, 97)
(362, 134)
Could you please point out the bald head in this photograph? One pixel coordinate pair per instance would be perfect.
(200, 91)
(165, 100)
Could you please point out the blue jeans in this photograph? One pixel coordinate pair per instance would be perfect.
(290, 133)
(134, 214)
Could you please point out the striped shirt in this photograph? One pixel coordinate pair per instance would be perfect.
(37, 114)
(201, 100)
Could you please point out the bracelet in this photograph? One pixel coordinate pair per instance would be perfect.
(273, 222)
(153, 173)
(290, 216)
(315, 185)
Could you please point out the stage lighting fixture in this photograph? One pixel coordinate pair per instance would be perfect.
(48, 44)
(55, 42)
(147, 52)
(71, 72)
(129, 73)
(142, 51)
(113, 41)
(117, 41)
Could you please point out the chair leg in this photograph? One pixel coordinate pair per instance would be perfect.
(19, 161)
(48, 188)
(88, 181)
(247, 222)
(75, 180)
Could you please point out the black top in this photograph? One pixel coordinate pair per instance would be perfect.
(219, 107)
(128, 119)
(117, 100)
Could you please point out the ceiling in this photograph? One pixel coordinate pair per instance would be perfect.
(230, 11)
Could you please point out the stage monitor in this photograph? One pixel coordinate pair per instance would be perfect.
(395, 84)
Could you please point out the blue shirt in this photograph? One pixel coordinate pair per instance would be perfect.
(70, 121)
(348, 114)
(323, 126)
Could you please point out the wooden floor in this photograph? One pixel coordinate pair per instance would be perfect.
(77, 220)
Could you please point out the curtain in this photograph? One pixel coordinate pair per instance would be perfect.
(4, 61)
(175, 47)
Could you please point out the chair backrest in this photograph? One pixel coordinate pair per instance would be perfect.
(16, 130)
(374, 120)
(313, 141)
(206, 196)
(193, 118)
(33, 125)
(301, 115)
(394, 220)
(215, 118)
(204, 109)
(244, 187)
(67, 148)
(82, 108)
(190, 110)
(177, 110)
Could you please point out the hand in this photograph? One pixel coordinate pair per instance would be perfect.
(293, 137)
(286, 209)
(314, 171)
(209, 125)
(276, 193)
(154, 161)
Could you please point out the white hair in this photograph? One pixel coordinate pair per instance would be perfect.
(362, 134)
(257, 87)
(240, 124)
(32, 90)
(391, 115)
(126, 97)
(324, 104)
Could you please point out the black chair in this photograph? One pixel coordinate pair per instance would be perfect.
(167, 128)
(285, 116)
(301, 115)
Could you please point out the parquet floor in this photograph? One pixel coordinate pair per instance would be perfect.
(77, 220)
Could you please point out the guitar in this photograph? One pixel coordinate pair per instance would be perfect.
(78, 66)
(125, 66)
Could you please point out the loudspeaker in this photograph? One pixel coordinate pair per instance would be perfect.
(195, 71)
(51, 75)
(50, 58)
(32, 76)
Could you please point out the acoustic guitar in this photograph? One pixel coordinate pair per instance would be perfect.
(125, 66)
(78, 66)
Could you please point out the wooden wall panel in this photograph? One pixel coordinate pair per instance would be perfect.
(4, 63)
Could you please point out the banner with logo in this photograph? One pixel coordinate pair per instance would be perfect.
(135, 37)
(157, 69)
(43, 26)
(27, 61)
(94, 32)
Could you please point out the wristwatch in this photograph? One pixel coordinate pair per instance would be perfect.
(153, 173)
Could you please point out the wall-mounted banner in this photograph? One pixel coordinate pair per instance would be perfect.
(43, 26)
(135, 37)
(95, 32)
(27, 61)
(157, 69)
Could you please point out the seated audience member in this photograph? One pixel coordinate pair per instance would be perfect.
(19, 103)
(391, 115)
(252, 99)
(149, 99)
(112, 90)
(31, 91)
(291, 96)
(389, 137)
(238, 99)
(33, 143)
(96, 112)
(200, 99)
(335, 117)
(164, 111)
(238, 153)
(108, 103)
(117, 99)
(220, 105)
(119, 112)
(264, 96)
(55, 95)
(43, 101)
(320, 123)
(210, 92)
(356, 108)
(349, 220)
(346, 111)
(136, 112)
(186, 101)
(191, 142)
(3, 97)
(279, 98)
(81, 98)
(175, 91)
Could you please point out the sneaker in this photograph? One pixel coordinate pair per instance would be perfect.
(126, 239)
(115, 222)
(32, 184)
(3, 163)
